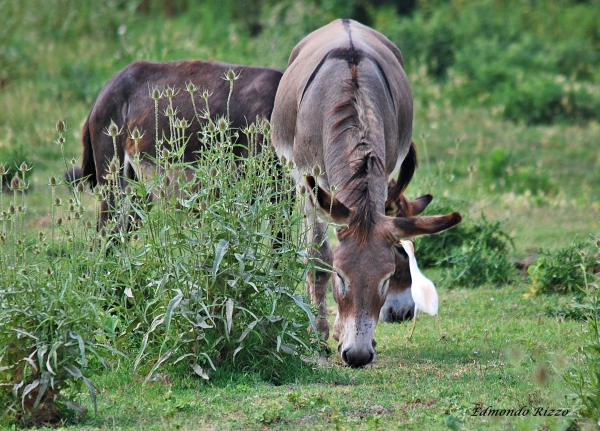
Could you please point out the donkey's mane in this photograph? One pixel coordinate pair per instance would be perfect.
(349, 116)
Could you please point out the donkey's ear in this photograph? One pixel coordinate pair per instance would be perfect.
(419, 204)
(327, 204)
(412, 227)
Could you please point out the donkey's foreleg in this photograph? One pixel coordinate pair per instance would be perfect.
(318, 278)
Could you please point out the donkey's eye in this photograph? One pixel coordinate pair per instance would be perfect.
(341, 283)
(385, 285)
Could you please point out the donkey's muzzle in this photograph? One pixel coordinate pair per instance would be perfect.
(358, 357)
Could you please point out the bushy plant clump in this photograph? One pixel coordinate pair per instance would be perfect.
(472, 254)
(584, 376)
(561, 271)
(207, 277)
(224, 260)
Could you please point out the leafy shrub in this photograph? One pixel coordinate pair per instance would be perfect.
(584, 376)
(226, 261)
(208, 279)
(560, 271)
(473, 253)
(50, 329)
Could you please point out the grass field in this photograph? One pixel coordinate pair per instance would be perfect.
(503, 349)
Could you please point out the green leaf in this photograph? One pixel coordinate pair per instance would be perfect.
(220, 251)
(229, 314)
(173, 303)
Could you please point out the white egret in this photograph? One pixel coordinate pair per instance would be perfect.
(422, 289)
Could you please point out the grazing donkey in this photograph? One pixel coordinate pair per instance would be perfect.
(126, 100)
(343, 113)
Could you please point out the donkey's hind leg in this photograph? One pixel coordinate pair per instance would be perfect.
(318, 279)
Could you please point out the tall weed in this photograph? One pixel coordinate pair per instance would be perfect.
(583, 377)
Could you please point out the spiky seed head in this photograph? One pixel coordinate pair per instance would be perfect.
(79, 188)
(206, 94)
(202, 205)
(252, 129)
(61, 127)
(109, 177)
(211, 127)
(169, 112)
(140, 224)
(156, 94)
(316, 170)
(135, 237)
(113, 168)
(97, 191)
(113, 130)
(11, 209)
(302, 190)
(48, 271)
(52, 181)
(73, 161)
(60, 140)
(3, 170)
(222, 124)
(266, 126)
(77, 215)
(71, 208)
(128, 190)
(59, 221)
(213, 172)
(135, 134)
(23, 167)
(88, 224)
(290, 165)
(191, 88)
(57, 202)
(19, 209)
(165, 153)
(15, 183)
(231, 76)
(283, 160)
(102, 233)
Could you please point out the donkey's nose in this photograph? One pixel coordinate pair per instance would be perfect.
(358, 357)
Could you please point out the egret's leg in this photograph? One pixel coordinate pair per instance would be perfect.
(442, 335)
(414, 323)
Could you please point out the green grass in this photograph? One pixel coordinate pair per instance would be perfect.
(501, 350)
(497, 346)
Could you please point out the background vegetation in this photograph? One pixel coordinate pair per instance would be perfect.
(507, 99)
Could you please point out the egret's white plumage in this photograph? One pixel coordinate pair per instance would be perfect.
(422, 289)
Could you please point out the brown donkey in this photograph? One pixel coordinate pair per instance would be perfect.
(343, 113)
(126, 100)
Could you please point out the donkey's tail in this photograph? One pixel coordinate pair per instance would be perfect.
(88, 167)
